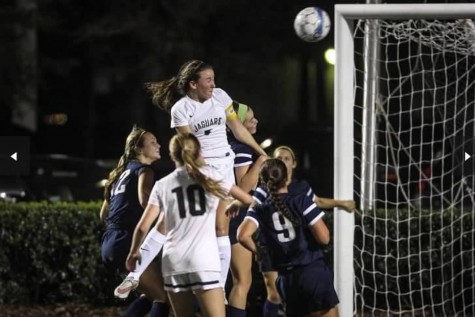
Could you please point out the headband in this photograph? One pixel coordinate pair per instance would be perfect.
(288, 149)
(142, 132)
(242, 111)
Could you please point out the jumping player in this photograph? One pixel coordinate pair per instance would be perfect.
(198, 107)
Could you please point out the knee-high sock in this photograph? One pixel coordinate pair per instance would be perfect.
(270, 309)
(159, 309)
(138, 308)
(149, 249)
(235, 312)
(224, 247)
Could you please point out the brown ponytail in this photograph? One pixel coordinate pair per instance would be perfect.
(273, 176)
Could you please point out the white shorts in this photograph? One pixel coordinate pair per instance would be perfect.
(192, 281)
(225, 168)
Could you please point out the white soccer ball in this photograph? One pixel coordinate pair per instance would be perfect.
(312, 24)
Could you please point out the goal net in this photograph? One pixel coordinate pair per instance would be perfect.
(412, 153)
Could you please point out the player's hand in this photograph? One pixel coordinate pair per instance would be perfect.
(349, 205)
(261, 159)
(132, 260)
(232, 210)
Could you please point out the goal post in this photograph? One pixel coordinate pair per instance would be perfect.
(401, 132)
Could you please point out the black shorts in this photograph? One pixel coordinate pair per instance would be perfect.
(265, 264)
(115, 247)
(234, 225)
(314, 283)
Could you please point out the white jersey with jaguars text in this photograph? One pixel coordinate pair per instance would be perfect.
(207, 121)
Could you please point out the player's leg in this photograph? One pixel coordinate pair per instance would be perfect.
(273, 300)
(211, 302)
(241, 269)
(226, 169)
(182, 303)
(180, 287)
(151, 284)
(139, 307)
(222, 236)
(149, 249)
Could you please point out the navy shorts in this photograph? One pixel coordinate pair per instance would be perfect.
(234, 225)
(307, 289)
(115, 247)
(265, 264)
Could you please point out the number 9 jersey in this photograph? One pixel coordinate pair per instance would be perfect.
(288, 245)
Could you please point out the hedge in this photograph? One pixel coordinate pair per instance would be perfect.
(50, 253)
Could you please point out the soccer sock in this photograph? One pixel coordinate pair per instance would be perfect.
(138, 308)
(196, 306)
(235, 312)
(159, 309)
(224, 247)
(270, 309)
(149, 249)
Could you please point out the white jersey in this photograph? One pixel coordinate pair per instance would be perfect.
(190, 218)
(207, 122)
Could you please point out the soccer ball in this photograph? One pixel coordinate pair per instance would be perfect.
(312, 24)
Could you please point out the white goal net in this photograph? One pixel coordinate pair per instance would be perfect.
(413, 118)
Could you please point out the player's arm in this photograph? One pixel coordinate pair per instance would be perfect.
(183, 129)
(329, 203)
(320, 232)
(235, 206)
(247, 176)
(245, 232)
(240, 132)
(151, 213)
(241, 195)
(104, 210)
(313, 217)
(145, 185)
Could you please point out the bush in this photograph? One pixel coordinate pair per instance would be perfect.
(50, 253)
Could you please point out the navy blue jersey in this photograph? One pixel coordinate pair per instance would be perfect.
(125, 209)
(245, 156)
(300, 186)
(295, 187)
(288, 245)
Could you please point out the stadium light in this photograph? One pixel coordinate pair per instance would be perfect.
(330, 56)
(266, 143)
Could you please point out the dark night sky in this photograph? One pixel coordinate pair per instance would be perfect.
(92, 59)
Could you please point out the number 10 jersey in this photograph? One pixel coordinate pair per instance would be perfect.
(190, 218)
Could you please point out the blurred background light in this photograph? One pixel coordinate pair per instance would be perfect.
(330, 56)
(266, 143)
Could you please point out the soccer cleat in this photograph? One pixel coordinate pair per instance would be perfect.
(123, 290)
